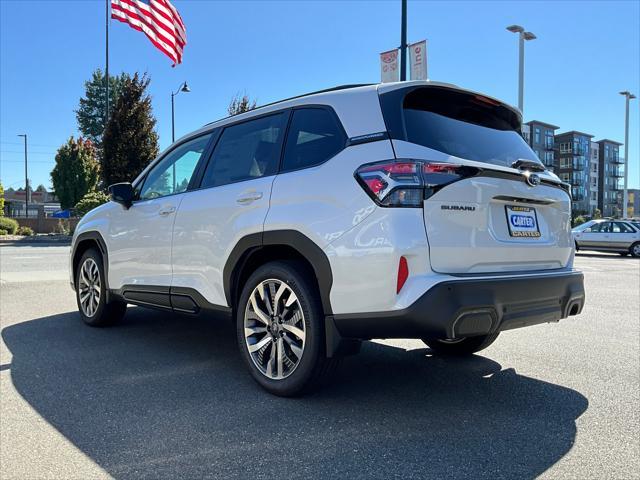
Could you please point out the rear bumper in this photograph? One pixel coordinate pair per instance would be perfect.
(461, 308)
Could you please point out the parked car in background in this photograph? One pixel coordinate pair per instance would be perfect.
(604, 235)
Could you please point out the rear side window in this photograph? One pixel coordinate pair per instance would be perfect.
(457, 123)
(314, 137)
(620, 227)
(247, 150)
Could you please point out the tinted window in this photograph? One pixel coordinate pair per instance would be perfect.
(620, 227)
(245, 151)
(464, 125)
(173, 173)
(598, 227)
(314, 137)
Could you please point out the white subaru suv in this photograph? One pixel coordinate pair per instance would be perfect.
(399, 210)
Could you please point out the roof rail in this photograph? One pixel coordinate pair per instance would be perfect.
(332, 89)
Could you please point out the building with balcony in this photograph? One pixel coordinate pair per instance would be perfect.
(610, 177)
(593, 175)
(540, 136)
(573, 165)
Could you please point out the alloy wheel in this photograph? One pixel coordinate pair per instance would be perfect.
(636, 250)
(274, 329)
(89, 287)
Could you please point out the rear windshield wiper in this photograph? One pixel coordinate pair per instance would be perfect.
(528, 165)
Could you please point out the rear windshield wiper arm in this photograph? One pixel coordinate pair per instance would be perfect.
(528, 165)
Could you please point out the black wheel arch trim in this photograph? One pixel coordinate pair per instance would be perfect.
(288, 238)
(97, 238)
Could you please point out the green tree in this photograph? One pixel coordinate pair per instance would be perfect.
(240, 104)
(130, 141)
(90, 201)
(597, 213)
(1, 200)
(77, 171)
(91, 112)
(41, 188)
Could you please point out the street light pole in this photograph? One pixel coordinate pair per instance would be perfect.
(182, 88)
(522, 36)
(26, 177)
(625, 193)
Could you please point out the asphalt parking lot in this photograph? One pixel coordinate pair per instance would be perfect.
(164, 396)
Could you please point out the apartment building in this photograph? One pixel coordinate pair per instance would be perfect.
(594, 168)
(540, 136)
(633, 205)
(573, 166)
(610, 175)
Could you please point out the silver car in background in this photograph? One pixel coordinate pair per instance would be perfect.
(605, 235)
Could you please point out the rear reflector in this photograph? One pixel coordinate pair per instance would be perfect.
(403, 273)
(406, 183)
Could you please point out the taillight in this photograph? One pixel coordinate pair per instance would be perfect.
(406, 183)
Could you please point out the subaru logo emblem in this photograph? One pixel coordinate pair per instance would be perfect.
(533, 179)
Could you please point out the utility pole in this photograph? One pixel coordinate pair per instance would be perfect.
(403, 43)
(625, 193)
(26, 177)
(522, 36)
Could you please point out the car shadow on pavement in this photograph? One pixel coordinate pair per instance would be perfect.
(165, 396)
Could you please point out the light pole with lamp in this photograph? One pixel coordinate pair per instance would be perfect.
(26, 178)
(522, 37)
(625, 193)
(183, 88)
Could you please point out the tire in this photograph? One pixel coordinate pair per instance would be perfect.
(297, 324)
(95, 310)
(634, 250)
(623, 254)
(461, 347)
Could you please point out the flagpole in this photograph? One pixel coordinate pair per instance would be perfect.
(106, 74)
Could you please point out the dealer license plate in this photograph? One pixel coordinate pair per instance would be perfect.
(522, 221)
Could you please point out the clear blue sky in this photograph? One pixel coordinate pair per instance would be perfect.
(586, 52)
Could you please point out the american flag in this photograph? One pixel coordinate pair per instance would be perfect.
(158, 19)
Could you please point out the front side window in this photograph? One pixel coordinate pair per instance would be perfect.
(173, 173)
(247, 150)
(314, 137)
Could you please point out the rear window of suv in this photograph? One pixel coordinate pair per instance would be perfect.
(457, 123)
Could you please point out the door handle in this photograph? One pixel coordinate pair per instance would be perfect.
(249, 197)
(166, 211)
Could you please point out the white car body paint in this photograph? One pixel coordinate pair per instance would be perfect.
(363, 242)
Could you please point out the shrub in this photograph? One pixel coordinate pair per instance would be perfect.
(579, 220)
(26, 231)
(90, 201)
(8, 224)
(3, 231)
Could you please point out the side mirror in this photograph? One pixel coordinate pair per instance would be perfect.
(122, 193)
